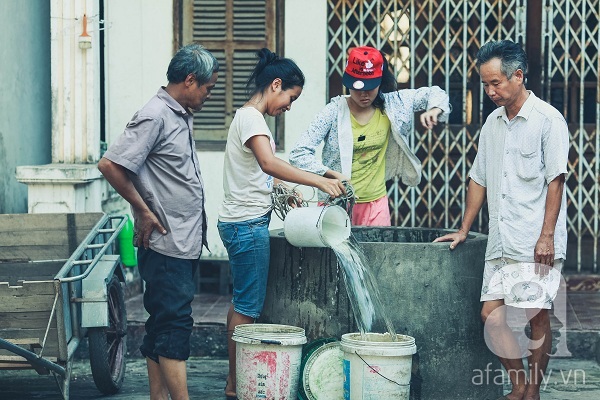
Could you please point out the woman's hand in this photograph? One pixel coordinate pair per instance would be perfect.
(333, 187)
(429, 118)
(336, 175)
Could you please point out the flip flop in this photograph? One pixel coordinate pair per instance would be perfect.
(229, 396)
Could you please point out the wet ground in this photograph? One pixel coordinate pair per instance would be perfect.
(566, 379)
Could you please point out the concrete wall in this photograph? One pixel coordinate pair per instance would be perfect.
(25, 119)
(308, 48)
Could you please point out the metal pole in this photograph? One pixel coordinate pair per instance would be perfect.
(32, 357)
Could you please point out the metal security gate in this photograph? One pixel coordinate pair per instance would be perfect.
(435, 43)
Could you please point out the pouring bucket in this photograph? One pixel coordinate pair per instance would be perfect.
(323, 226)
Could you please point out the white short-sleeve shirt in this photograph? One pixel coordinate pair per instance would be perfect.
(247, 189)
(515, 162)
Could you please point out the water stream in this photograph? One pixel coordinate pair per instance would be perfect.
(362, 290)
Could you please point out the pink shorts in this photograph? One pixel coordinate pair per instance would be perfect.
(374, 213)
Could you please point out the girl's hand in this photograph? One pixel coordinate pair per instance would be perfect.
(336, 175)
(429, 118)
(296, 201)
(333, 187)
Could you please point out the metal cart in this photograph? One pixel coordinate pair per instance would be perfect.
(60, 280)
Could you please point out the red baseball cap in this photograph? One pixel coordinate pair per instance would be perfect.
(363, 69)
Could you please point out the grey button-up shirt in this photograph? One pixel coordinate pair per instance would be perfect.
(158, 150)
(515, 162)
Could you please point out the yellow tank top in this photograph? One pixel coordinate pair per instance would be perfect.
(368, 159)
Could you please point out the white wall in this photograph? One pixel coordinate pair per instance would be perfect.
(138, 48)
(308, 48)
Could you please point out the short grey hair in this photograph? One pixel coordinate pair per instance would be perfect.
(511, 55)
(192, 59)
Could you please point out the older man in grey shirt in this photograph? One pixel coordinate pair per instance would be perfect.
(154, 166)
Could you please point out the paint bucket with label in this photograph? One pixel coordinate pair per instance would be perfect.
(377, 368)
(322, 226)
(321, 372)
(268, 358)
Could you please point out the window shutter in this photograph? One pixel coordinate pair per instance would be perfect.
(249, 20)
(233, 30)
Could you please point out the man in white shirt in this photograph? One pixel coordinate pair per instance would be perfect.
(520, 169)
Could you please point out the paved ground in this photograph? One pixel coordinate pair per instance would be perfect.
(566, 379)
(206, 381)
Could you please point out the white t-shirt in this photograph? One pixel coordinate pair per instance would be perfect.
(246, 187)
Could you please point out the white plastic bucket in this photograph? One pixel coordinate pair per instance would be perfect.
(268, 359)
(377, 368)
(323, 226)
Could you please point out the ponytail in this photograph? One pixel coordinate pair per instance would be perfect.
(270, 67)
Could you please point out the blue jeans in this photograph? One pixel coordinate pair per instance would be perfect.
(248, 247)
(170, 288)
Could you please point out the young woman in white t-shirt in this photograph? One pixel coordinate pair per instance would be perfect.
(251, 169)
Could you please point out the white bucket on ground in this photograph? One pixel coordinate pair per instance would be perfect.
(268, 358)
(316, 226)
(377, 368)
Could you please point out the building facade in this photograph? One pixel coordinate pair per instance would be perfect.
(95, 90)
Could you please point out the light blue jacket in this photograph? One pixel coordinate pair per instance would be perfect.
(332, 126)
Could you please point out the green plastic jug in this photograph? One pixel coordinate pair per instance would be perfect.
(126, 248)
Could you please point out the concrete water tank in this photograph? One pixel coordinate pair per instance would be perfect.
(430, 293)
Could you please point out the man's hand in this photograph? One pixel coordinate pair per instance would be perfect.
(456, 238)
(544, 255)
(147, 223)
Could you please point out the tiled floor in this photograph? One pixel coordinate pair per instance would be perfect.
(207, 309)
(585, 308)
(582, 311)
